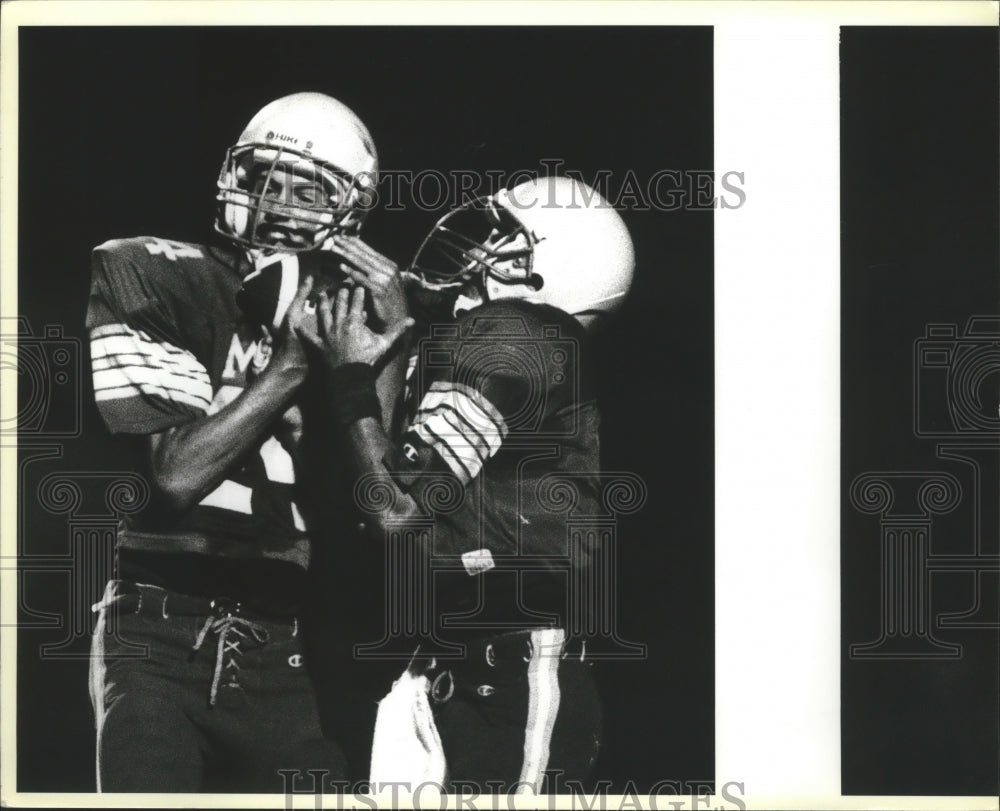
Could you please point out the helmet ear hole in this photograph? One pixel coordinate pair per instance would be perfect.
(536, 281)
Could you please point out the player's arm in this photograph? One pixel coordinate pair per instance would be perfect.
(380, 276)
(349, 351)
(188, 461)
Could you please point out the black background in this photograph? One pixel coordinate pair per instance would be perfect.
(919, 246)
(122, 131)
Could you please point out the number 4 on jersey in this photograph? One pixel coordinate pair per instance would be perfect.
(172, 249)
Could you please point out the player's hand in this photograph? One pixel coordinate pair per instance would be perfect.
(376, 273)
(289, 355)
(343, 335)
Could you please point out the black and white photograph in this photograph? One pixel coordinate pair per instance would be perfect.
(588, 405)
(384, 350)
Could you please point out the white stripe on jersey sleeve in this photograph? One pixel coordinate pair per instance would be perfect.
(120, 360)
(124, 392)
(461, 457)
(129, 363)
(471, 404)
(462, 425)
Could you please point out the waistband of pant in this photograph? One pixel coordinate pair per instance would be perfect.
(491, 662)
(155, 601)
(509, 648)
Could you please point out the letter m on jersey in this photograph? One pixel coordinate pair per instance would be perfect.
(238, 358)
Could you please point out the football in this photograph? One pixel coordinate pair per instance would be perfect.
(270, 288)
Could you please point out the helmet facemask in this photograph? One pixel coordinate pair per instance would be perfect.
(550, 241)
(279, 199)
(480, 242)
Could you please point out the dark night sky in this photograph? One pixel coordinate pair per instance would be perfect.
(920, 246)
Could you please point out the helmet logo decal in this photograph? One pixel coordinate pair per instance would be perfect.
(280, 136)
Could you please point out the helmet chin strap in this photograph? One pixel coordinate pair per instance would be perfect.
(483, 288)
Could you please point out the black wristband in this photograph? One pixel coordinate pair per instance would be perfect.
(351, 394)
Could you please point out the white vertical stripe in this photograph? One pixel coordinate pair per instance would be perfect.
(777, 395)
(543, 706)
(289, 287)
(300, 525)
(97, 675)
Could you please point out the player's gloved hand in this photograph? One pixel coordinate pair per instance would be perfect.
(343, 336)
(288, 356)
(376, 273)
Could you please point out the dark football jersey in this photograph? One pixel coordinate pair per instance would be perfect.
(501, 453)
(169, 345)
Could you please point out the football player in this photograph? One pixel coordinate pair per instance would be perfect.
(500, 448)
(210, 575)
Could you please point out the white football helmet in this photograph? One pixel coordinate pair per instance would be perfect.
(553, 240)
(304, 169)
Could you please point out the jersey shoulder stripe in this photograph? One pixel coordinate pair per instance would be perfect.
(462, 425)
(471, 406)
(128, 363)
(456, 455)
